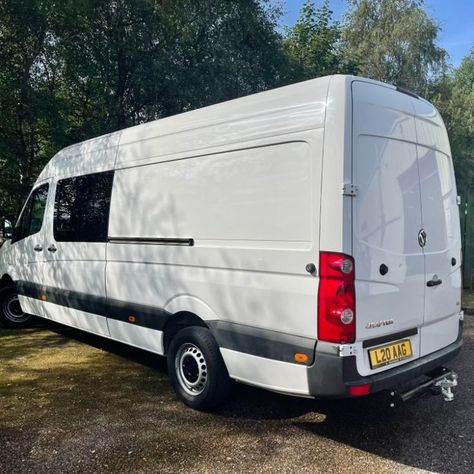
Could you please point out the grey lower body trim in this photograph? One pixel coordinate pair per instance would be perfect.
(237, 337)
(261, 342)
(132, 313)
(330, 376)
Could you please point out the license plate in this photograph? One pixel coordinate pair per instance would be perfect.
(390, 353)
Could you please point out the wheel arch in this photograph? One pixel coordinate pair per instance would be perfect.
(5, 281)
(178, 321)
(185, 310)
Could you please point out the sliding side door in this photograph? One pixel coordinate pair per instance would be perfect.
(76, 252)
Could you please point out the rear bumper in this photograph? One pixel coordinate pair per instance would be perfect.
(331, 375)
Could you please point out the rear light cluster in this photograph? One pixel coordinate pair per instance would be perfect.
(336, 298)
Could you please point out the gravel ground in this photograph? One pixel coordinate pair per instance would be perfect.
(71, 402)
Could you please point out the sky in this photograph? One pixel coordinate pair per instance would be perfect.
(456, 18)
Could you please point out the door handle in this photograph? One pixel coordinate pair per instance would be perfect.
(38, 248)
(434, 283)
(52, 248)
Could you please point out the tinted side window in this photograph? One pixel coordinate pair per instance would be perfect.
(81, 208)
(31, 219)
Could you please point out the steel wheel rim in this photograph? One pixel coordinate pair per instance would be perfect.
(12, 309)
(191, 369)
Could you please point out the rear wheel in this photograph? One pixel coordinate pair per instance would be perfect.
(11, 314)
(197, 370)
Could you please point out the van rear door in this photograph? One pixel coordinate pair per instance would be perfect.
(441, 225)
(387, 220)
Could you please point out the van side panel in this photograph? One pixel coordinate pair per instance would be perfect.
(249, 196)
(252, 215)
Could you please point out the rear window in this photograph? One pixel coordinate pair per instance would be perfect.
(81, 208)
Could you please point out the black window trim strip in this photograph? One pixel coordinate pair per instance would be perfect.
(151, 241)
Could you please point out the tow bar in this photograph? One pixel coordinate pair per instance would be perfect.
(442, 381)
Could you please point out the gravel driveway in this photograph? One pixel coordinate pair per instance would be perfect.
(71, 402)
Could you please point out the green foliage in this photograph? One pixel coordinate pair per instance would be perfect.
(313, 43)
(28, 106)
(455, 99)
(394, 41)
(74, 69)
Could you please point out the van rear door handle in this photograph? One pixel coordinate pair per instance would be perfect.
(38, 248)
(434, 283)
(52, 248)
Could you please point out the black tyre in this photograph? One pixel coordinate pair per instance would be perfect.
(11, 314)
(197, 370)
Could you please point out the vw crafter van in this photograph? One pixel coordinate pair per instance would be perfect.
(305, 240)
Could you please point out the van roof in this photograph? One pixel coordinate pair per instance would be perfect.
(307, 98)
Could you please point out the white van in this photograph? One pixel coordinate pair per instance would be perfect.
(305, 240)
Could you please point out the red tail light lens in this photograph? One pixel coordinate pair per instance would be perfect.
(336, 298)
(359, 390)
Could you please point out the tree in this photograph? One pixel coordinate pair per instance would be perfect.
(74, 69)
(129, 62)
(455, 100)
(394, 41)
(313, 43)
(28, 106)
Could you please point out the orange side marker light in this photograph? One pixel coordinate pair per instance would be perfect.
(301, 358)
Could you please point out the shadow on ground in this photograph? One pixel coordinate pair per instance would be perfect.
(70, 401)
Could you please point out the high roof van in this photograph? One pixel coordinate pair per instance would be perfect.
(305, 240)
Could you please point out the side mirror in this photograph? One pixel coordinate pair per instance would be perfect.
(6, 229)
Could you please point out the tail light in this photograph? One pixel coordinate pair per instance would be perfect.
(359, 390)
(336, 298)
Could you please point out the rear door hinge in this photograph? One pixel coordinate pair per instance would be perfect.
(349, 189)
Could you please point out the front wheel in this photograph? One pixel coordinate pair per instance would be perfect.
(11, 314)
(197, 370)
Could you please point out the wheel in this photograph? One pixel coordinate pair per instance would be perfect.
(197, 370)
(11, 314)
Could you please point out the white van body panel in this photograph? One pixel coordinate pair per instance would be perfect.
(92, 156)
(234, 260)
(387, 216)
(266, 373)
(216, 213)
(257, 120)
(441, 223)
(405, 187)
(336, 208)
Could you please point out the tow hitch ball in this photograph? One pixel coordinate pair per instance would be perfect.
(442, 382)
(446, 384)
